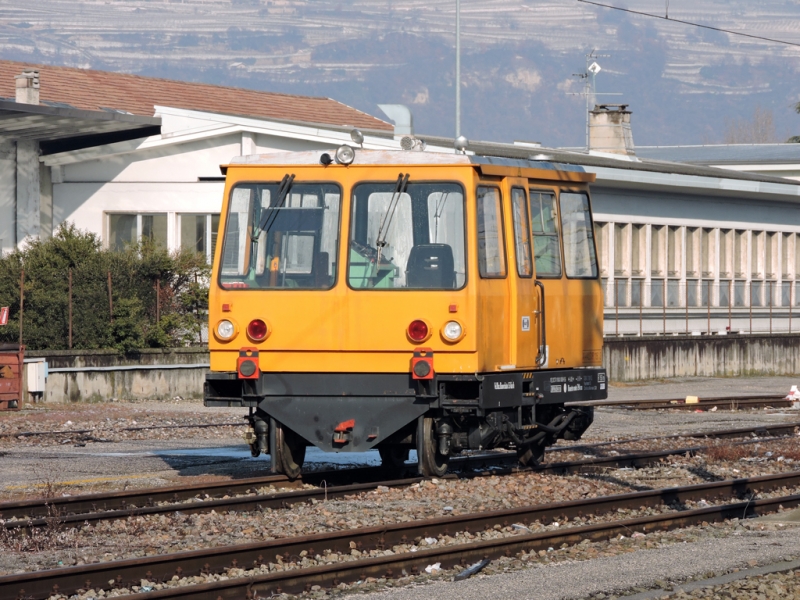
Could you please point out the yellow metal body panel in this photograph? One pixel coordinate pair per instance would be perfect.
(349, 330)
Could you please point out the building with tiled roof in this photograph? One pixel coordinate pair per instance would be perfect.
(86, 89)
(127, 156)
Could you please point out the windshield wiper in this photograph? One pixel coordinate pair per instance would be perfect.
(386, 221)
(269, 217)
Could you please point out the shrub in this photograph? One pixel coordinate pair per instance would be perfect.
(159, 298)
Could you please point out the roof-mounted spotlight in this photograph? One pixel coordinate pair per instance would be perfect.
(345, 155)
(357, 137)
(461, 144)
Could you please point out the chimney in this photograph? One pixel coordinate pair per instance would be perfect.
(28, 87)
(610, 129)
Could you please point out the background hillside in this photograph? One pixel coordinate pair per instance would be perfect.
(685, 85)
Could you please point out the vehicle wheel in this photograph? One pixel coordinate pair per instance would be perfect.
(530, 455)
(393, 457)
(431, 462)
(290, 452)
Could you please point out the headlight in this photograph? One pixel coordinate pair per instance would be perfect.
(345, 155)
(452, 331)
(225, 330)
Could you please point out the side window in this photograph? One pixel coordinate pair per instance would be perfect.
(491, 248)
(576, 223)
(522, 234)
(544, 222)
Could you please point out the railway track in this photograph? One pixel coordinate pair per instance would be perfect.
(124, 573)
(243, 496)
(74, 432)
(732, 402)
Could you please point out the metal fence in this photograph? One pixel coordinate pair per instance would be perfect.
(664, 306)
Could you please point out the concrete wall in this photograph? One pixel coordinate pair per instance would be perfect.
(94, 375)
(97, 375)
(657, 357)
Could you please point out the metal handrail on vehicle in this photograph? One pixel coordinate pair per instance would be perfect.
(541, 358)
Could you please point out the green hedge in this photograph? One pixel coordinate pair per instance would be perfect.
(138, 321)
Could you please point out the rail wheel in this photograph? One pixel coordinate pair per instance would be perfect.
(431, 462)
(393, 456)
(290, 452)
(530, 455)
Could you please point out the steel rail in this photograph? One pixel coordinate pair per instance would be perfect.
(780, 429)
(69, 580)
(140, 501)
(117, 505)
(680, 403)
(287, 499)
(71, 432)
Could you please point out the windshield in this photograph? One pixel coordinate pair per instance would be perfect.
(407, 235)
(281, 235)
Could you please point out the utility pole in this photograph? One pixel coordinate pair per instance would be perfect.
(458, 68)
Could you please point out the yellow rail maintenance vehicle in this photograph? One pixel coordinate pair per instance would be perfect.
(398, 300)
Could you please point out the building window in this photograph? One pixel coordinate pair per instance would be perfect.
(787, 254)
(199, 233)
(622, 247)
(796, 265)
(708, 252)
(638, 249)
(757, 254)
(128, 229)
(771, 251)
(658, 250)
(725, 253)
(692, 252)
(740, 253)
(675, 250)
(601, 235)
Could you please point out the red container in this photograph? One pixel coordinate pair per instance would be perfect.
(11, 363)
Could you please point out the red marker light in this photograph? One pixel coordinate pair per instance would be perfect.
(418, 330)
(257, 330)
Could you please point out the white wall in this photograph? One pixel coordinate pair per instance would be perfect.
(629, 206)
(180, 162)
(86, 204)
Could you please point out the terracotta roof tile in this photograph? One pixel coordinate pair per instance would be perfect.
(95, 90)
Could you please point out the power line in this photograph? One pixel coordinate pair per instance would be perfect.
(667, 18)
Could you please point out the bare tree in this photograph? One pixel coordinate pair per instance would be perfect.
(760, 129)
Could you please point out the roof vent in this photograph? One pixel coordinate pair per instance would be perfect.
(610, 129)
(27, 86)
(401, 116)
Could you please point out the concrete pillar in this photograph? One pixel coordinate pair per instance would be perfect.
(28, 192)
(248, 143)
(45, 202)
(8, 197)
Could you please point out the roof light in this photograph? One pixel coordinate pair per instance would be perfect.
(357, 137)
(345, 155)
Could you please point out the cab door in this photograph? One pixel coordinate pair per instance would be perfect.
(524, 324)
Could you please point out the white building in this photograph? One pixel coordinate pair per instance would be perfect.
(61, 160)
(682, 247)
